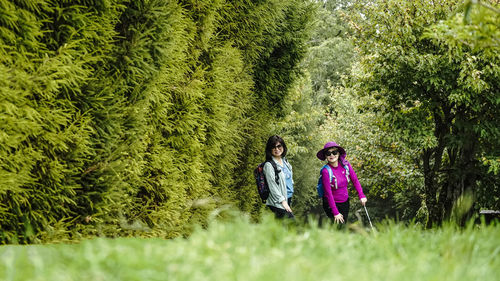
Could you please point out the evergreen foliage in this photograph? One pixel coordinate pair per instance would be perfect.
(119, 117)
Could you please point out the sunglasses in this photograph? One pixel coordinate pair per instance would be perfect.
(332, 152)
(279, 146)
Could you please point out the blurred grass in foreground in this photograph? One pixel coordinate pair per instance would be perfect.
(268, 251)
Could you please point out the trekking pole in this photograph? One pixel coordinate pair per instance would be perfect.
(366, 211)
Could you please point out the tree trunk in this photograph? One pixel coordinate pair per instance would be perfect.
(461, 179)
(433, 158)
(432, 187)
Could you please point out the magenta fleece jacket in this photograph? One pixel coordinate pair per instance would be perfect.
(340, 194)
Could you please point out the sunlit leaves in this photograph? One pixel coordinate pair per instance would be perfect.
(439, 80)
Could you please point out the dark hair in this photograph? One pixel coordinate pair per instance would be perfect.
(271, 142)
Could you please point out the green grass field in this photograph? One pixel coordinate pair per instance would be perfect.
(268, 251)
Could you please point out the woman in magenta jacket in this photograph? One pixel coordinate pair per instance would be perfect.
(336, 196)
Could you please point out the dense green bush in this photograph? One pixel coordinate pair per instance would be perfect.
(121, 116)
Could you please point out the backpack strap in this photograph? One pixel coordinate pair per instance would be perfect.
(276, 176)
(347, 173)
(330, 172)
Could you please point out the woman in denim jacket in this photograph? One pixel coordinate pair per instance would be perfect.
(280, 196)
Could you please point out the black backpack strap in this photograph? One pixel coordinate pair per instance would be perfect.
(276, 177)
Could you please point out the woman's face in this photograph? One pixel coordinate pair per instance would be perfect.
(332, 155)
(277, 150)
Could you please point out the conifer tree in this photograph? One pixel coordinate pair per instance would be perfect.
(135, 117)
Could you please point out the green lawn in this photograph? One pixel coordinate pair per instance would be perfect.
(268, 251)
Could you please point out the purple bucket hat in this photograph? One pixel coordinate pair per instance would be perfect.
(321, 153)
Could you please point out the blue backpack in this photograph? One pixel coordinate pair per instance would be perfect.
(319, 187)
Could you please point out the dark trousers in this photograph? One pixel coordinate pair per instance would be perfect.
(343, 208)
(282, 213)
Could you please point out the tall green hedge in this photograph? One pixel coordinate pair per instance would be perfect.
(121, 117)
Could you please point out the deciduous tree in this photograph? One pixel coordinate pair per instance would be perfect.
(440, 94)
